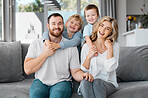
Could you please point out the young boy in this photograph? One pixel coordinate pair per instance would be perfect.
(73, 25)
(91, 14)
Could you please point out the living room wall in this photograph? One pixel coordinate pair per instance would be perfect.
(121, 16)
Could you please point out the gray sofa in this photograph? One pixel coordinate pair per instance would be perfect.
(132, 73)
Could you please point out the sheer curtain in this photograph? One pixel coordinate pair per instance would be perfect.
(107, 8)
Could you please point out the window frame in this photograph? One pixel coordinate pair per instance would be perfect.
(8, 21)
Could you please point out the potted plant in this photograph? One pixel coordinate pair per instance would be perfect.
(144, 17)
(130, 20)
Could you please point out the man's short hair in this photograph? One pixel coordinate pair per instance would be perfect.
(55, 15)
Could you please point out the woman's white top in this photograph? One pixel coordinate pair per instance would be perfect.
(100, 68)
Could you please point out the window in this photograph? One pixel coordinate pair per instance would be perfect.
(68, 8)
(29, 20)
(1, 38)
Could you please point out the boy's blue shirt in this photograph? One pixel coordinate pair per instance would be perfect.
(71, 42)
(87, 30)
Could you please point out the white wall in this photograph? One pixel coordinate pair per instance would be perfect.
(121, 18)
(134, 6)
(124, 8)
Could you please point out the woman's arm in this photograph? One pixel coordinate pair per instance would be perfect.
(109, 46)
(111, 62)
(85, 58)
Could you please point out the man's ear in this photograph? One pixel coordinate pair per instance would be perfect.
(47, 25)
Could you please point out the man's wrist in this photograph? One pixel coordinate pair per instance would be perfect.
(59, 46)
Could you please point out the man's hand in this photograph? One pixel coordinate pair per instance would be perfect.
(46, 42)
(88, 77)
(54, 46)
(47, 51)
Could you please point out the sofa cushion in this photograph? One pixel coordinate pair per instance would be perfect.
(24, 52)
(137, 89)
(16, 89)
(133, 63)
(10, 62)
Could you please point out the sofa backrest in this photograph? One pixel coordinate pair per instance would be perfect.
(24, 52)
(133, 64)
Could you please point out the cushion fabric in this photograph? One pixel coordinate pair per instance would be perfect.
(24, 52)
(137, 89)
(10, 62)
(133, 63)
(15, 89)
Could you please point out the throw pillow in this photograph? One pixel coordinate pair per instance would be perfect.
(133, 63)
(10, 62)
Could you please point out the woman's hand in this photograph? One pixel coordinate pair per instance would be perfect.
(88, 77)
(108, 44)
(92, 52)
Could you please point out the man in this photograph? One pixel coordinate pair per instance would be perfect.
(53, 69)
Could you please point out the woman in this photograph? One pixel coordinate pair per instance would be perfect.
(101, 60)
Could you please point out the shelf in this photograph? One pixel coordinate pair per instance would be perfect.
(136, 37)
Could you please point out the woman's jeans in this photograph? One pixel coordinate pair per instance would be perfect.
(96, 89)
(59, 90)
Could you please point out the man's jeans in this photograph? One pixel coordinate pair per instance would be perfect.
(59, 90)
(96, 89)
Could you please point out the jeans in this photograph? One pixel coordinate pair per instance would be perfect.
(96, 89)
(59, 90)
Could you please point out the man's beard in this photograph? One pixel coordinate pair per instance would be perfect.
(57, 34)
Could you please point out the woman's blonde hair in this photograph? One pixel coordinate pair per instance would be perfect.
(114, 33)
(77, 18)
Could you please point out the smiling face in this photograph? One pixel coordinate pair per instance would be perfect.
(73, 25)
(104, 30)
(91, 16)
(55, 26)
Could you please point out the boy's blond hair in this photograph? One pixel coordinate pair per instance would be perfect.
(91, 6)
(114, 33)
(77, 18)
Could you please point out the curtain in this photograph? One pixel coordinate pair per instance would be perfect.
(107, 8)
